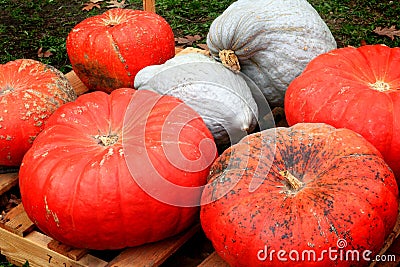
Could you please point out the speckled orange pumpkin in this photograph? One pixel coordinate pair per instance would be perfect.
(107, 50)
(308, 188)
(30, 92)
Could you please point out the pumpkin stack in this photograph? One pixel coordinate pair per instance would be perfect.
(322, 192)
(135, 160)
(117, 167)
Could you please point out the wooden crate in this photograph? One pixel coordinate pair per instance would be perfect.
(21, 241)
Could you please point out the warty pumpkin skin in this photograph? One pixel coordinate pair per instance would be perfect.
(30, 92)
(107, 50)
(354, 88)
(75, 181)
(315, 186)
(269, 41)
(222, 98)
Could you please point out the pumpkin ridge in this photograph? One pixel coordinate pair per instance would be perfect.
(117, 51)
(96, 158)
(270, 78)
(367, 61)
(357, 203)
(245, 45)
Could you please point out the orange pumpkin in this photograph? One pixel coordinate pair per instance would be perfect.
(106, 51)
(30, 92)
(309, 187)
(354, 88)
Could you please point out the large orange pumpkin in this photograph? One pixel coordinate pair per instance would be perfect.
(354, 88)
(30, 92)
(106, 51)
(84, 180)
(309, 189)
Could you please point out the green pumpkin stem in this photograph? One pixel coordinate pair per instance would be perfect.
(292, 180)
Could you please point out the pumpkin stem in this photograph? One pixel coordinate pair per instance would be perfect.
(292, 180)
(380, 86)
(107, 140)
(112, 21)
(229, 60)
(7, 89)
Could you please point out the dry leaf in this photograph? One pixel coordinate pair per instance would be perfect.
(96, 1)
(390, 32)
(47, 53)
(90, 5)
(116, 4)
(181, 40)
(188, 39)
(193, 38)
(203, 46)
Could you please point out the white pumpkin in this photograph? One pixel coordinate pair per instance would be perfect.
(222, 98)
(271, 41)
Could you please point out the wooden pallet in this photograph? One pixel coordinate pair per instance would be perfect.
(21, 241)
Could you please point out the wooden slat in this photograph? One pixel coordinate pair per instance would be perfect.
(76, 83)
(153, 254)
(213, 261)
(149, 5)
(34, 248)
(17, 221)
(70, 252)
(7, 181)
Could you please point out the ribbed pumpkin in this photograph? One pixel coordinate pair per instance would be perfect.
(308, 188)
(354, 88)
(222, 98)
(30, 92)
(270, 41)
(106, 51)
(79, 183)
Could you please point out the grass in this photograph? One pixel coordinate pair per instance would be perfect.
(352, 21)
(26, 26)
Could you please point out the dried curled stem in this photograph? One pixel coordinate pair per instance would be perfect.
(229, 60)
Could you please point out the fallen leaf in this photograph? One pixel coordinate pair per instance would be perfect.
(193, 38)
(203, 46)
(89, 6)
(390, 32)
(96, 1)
(188, 39)
(181, 40)
(47, 53)
(116, 4)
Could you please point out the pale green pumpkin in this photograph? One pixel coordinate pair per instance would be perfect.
(222, 98)
(271, 41)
